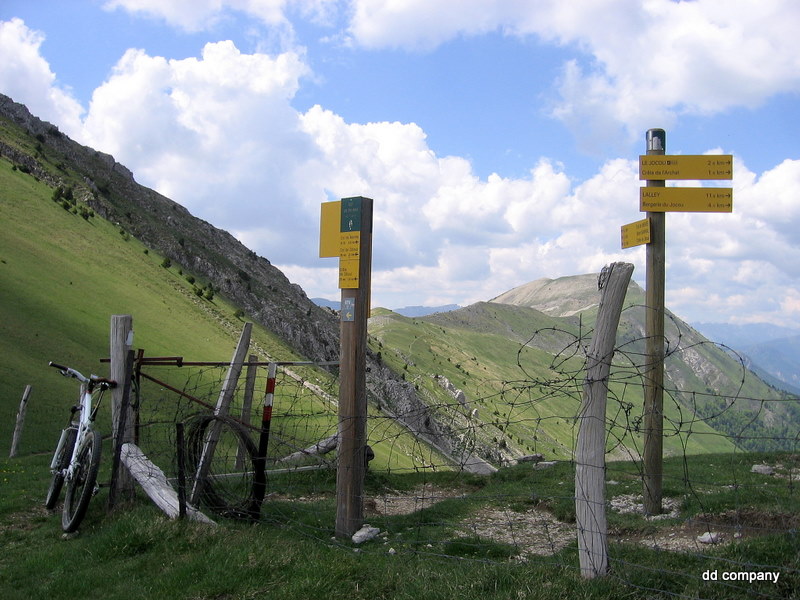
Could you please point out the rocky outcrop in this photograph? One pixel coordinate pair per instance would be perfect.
(398, 399)
(456, 393)
(251, 282)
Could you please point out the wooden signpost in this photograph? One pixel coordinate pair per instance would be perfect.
(346, 232)
(656, 167)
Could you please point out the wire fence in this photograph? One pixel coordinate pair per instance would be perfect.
(729, 525)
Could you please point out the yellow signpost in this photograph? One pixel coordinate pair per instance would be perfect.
(686, 166)
(346, 232)
(677, 199)
(636, 233)
(348, 274)
(656, 199)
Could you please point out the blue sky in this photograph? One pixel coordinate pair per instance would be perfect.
(498, 138)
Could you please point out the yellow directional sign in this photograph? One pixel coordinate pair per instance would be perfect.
(686, 166)
(348, 273)
(349, 245)
(330, 228)
(636, 233)
(676, 199)
(340, 235)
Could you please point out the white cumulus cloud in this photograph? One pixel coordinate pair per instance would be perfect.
(26, 76)
(635, 62)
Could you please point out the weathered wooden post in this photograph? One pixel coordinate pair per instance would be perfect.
(590, 456)
(654, 348)
(122, 416)
(23, 407)
(355, 268)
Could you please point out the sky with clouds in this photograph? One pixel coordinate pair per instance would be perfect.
(498, 138)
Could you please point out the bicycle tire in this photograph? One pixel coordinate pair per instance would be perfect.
(81, 487)
(62, 462)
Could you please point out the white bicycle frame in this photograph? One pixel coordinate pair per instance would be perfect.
(83, 425)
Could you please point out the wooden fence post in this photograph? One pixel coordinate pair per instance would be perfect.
(23, 406)
(590, 456)
(122, 417)
(223, 403)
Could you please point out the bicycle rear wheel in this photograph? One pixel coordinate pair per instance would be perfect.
(80, 487)
(61, 463)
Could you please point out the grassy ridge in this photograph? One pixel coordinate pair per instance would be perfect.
(482, 350)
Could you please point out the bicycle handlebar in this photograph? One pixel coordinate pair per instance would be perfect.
(70, 372)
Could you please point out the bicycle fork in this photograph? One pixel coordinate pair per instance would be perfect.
(62, 441)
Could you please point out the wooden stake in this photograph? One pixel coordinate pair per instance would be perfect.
(23, 406)
(590, 455)
(654, 349)
(353, 388)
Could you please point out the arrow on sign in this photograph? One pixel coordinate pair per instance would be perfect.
(349, 309)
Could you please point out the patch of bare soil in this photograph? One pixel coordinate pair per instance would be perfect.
(533, 532)
(716, 529)
(406, 503)
(25, 521)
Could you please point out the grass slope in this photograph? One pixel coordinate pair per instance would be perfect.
(488, 351)
(61, 279)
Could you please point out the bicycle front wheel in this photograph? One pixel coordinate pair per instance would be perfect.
(80, 487)
(64, 454)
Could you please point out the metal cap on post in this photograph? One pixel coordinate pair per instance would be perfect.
(656, 141)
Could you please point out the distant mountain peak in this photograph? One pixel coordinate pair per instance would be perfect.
(561, 297)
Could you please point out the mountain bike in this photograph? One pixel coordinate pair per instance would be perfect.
(76, 460)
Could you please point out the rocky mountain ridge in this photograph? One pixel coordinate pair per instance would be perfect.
(261, 290)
